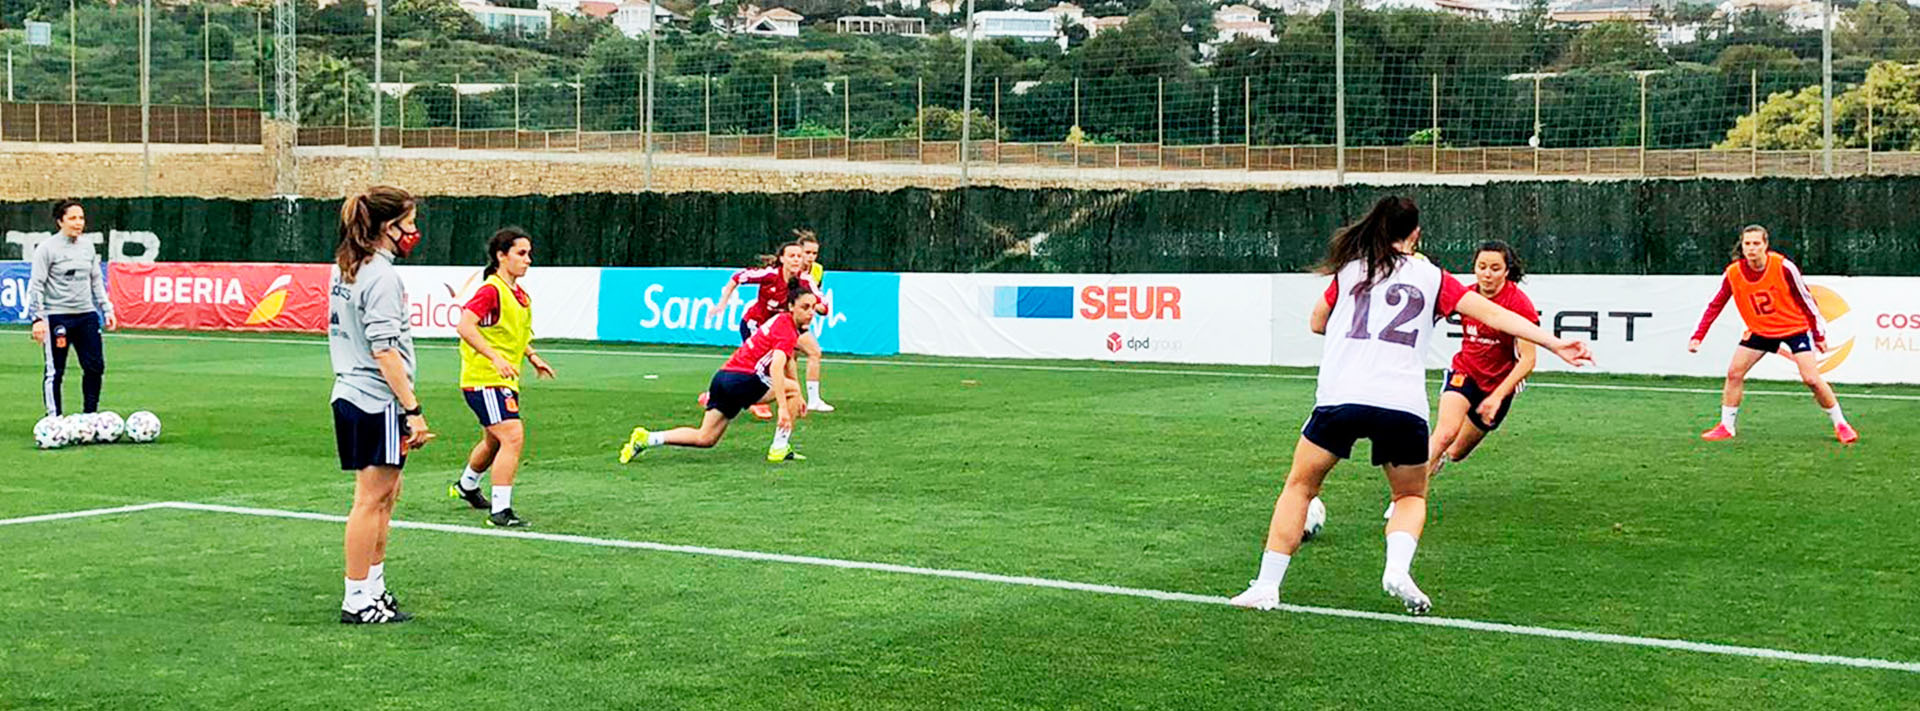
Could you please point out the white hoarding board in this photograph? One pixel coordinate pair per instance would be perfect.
(566, 300)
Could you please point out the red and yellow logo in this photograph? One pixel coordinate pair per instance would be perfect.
(1832, 308)
(271, 303)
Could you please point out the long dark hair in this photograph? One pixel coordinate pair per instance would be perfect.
(1515, 270)
(768, 260)
(60, 209)
(1372, 238)
(502, 242)
(363, 219)
(1764, 234)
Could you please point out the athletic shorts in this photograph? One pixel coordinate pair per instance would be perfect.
(493, 405)
(1800, 342)
(732, 392)
(1461, 383)
(369, 439)
(1399, 438)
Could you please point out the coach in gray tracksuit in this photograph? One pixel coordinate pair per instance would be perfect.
(67, 299)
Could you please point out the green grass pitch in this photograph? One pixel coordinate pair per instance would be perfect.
(1592, 510)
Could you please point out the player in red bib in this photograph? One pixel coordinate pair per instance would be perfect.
(779, 273)
(761, 370)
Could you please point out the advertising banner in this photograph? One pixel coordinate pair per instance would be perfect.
(1641, 325)
(1223, 318)
(676, 305)
(565, 299)
(13, 291)
(212, 296)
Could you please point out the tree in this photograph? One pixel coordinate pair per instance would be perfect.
(347, 17)
(1791, 120)
(1741, 60)
(433, 18)
(1880, 29)
(1626, 45)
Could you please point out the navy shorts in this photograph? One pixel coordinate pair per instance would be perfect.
(493, 405)
(369, 439)
(1463, 384)
(1798, 343)
(1399, 438)
(732, 392)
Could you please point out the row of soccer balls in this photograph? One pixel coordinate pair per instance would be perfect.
(54, 431)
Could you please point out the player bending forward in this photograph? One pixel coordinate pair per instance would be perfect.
(1382, 306)
(761, 370)
(1773, 299)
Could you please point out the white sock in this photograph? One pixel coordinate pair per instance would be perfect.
(377, 579)
(502, 498)
(813, 391)
(1833, 413)
(470, 479)
(1400, 546)
(655, 439)
(1727, 415)
(1273, 567)
(781, 436)
(357, 597)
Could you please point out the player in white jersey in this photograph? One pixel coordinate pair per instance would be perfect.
(1378, 316)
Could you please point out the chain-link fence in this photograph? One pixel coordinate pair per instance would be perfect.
(1575, 87)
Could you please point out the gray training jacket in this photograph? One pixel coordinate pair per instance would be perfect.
(65, 279)
(366, 316)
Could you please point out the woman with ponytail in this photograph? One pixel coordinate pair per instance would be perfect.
(1382, 306)
(779, 273)
(376, 416)
(496, 333)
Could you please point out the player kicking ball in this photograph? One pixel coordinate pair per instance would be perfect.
(761, 370)
(1780, 316)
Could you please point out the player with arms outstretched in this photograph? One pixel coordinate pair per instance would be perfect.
(1780, 316)
(1382, 307)
(780, 273)
(762, 369)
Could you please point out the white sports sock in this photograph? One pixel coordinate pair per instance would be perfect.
(1728, 414)
(781, 436)
(357, 597)
(502, 498)
(813, 391)
(377, 579)
(1273, 567)
(1400, 547)
(655, 439)
(1833, 413)
(470, 479)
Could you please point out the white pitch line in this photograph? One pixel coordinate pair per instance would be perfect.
(86, 513)
(1028, 581)
(1038, 368)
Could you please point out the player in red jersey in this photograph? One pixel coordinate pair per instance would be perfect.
(762, 369)
(1490, 367)
(1780, 316)
(778, 274)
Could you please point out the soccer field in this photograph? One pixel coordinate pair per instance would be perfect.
(1594, 510)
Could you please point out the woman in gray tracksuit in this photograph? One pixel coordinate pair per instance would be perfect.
(67, 300)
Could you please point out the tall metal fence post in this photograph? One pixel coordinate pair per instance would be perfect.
(73, 66)
(1539, 140)
(966, 102)
(920, 119)
(456, 111)
(776, 115)
(146, 98)
(379, 42)
(400, 106)
(1160, 123)
(996, 121)
(706, 112)
(1753, 109)
(206, 66)
(1339, 92)
(1246, 120)
(1076, 123)
(1436, 123)
(846, 116)
(646, 134)
(1643, 123)
(579, 112)
(1826, 89)
(516, 110)
(259, 53)
(286, 101)
(346, 109)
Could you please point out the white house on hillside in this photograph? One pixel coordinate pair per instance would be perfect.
(507, 20)
(636, 17)
(778, 22)
(1018, 24)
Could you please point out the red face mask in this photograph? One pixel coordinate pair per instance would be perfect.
(409, 239)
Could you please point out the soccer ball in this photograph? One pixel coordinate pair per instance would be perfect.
(76, 429)
(107, 427)
(1316, 519)
(47, 433)
(143, 426)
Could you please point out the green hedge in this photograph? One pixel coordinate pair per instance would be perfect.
(1846, 227)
